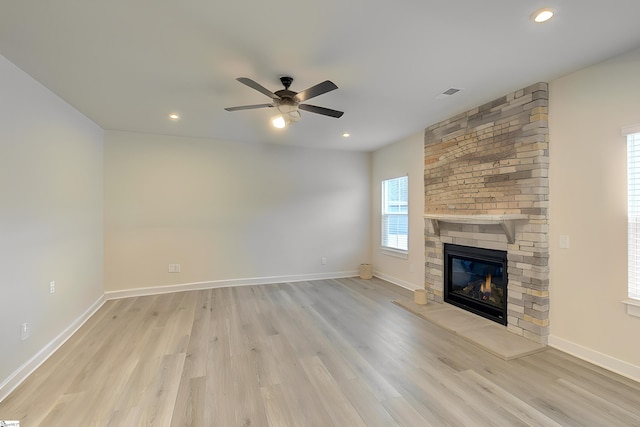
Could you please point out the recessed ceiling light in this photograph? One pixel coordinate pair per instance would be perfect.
(174, 116)
(542, 15)
(346, 135)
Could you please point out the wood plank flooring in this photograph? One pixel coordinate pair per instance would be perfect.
(321, 353)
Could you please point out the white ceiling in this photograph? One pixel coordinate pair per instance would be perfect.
(127, 64)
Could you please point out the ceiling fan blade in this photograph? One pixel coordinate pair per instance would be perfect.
(321, 110)
(313, 91)
(248, 107)
(258, 87)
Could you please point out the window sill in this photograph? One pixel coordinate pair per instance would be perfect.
(633, 307)
(398, 253)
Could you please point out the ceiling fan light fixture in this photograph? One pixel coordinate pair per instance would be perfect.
(285, 119)
(279, 122)
(294, 116)
(286, 108)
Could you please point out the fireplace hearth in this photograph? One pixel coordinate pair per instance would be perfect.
(475, 279)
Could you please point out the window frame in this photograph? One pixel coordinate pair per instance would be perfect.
(632, 135)
(401, 247)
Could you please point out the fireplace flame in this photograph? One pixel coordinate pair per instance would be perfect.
(485, 288)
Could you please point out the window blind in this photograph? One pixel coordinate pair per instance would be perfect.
(395, 213)
(633, 213)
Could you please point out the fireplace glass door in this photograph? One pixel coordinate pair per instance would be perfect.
(476, 280)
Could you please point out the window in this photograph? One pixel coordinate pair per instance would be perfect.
(395, 214)
(633, 217)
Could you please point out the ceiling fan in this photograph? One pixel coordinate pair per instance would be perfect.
(289, 102)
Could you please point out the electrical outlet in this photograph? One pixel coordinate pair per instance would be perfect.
(323, 260)
(174, 268)
(24, 331)
(52, 286)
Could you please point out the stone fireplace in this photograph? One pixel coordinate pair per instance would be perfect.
(486, 186)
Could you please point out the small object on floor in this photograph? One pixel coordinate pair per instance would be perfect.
(420, 296)
(366, 271)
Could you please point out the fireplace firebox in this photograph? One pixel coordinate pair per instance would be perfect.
(475, 279)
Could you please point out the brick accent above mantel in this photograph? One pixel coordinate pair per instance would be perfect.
(480, 168)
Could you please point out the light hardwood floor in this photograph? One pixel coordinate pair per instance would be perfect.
(321, 353)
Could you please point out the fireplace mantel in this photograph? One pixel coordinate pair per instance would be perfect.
(506, 221)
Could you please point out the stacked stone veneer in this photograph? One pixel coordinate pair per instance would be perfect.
(494, 159)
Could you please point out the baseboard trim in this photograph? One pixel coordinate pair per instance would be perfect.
(396, 281)
(20, 374)
(197, 286)
(605, 361)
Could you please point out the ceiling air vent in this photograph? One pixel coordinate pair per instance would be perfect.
(447, 93)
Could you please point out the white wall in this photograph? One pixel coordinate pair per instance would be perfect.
(50, 218)
(229, 212)
(588, 281)
(404, 157)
